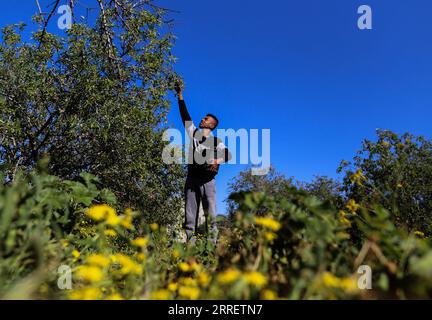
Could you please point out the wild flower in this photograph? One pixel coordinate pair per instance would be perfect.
(98, 260)
(90, 293)
(255, 278)
(75, 254)
(268, 295)
(343, 219)
(90, 273)
(188, 281)
(140, 242)
(110, 233)
(228, 276)
(331, 281)
(352, 206)
(160, 294)
(172, 286)
(358, 177)
(114, 296)
(419, 234)
(185, 267)
(270, 236)
(268, 222)
(204, 279)
(128, 266)
(100, 212)
(191, 293)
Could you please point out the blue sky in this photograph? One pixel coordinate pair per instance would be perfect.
(302, 69)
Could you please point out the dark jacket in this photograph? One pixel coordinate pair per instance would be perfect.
(202, 149)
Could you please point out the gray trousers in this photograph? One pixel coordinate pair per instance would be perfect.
(198, 191)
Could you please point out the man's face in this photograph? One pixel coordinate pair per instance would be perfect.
(207, 123)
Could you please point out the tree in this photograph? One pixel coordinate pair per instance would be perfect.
(94, 101)
(272, 184)
(396, 172)
(325, 189)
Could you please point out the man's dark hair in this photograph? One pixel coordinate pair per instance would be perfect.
(214, 117)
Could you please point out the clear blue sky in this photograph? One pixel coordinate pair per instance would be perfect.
(302, 69)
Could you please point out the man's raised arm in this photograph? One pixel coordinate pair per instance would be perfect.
(186, 118)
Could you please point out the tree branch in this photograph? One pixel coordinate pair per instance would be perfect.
(46, 21)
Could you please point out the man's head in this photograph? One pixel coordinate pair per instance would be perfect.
(209, 122)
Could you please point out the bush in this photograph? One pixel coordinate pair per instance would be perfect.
(94, 100)
(396, 172)
(301, 248)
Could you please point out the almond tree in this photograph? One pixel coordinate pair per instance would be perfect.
(93, 100)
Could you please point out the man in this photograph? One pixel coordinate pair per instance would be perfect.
(206, 153)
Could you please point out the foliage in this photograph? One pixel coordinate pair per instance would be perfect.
(94, 101)
(301, 248)
(396, 172)
(273, 183)
(325, 189)
(37, 213)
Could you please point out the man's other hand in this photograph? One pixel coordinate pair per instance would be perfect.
(214, 167)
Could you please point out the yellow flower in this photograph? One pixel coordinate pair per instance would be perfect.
(191, 293)
(90, 273)
(268, 223)
(140, 256)
(270, 236)
(343, 219)
(331, 281)
(188, 281)
(65, 243)
(126, 222)
(228, 276)
(76, 254)
(352, 206)
(140, 242)
(112, 219)
(110, 233)
(204, 279)
(43, 288)
(85, 294)
(100, 212)
(128, 212)
(98, 260)
(114, 296)
(256, 279)
(195, 266)
(268, 295)
(161, 294)
(172, 286)
(357, 177)
(349, 284)
(154, 226)
(419, 234)
(175, 254)
(183, 266)
(127, 264)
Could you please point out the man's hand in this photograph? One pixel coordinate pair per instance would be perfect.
(214, 164)
(179, 89)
